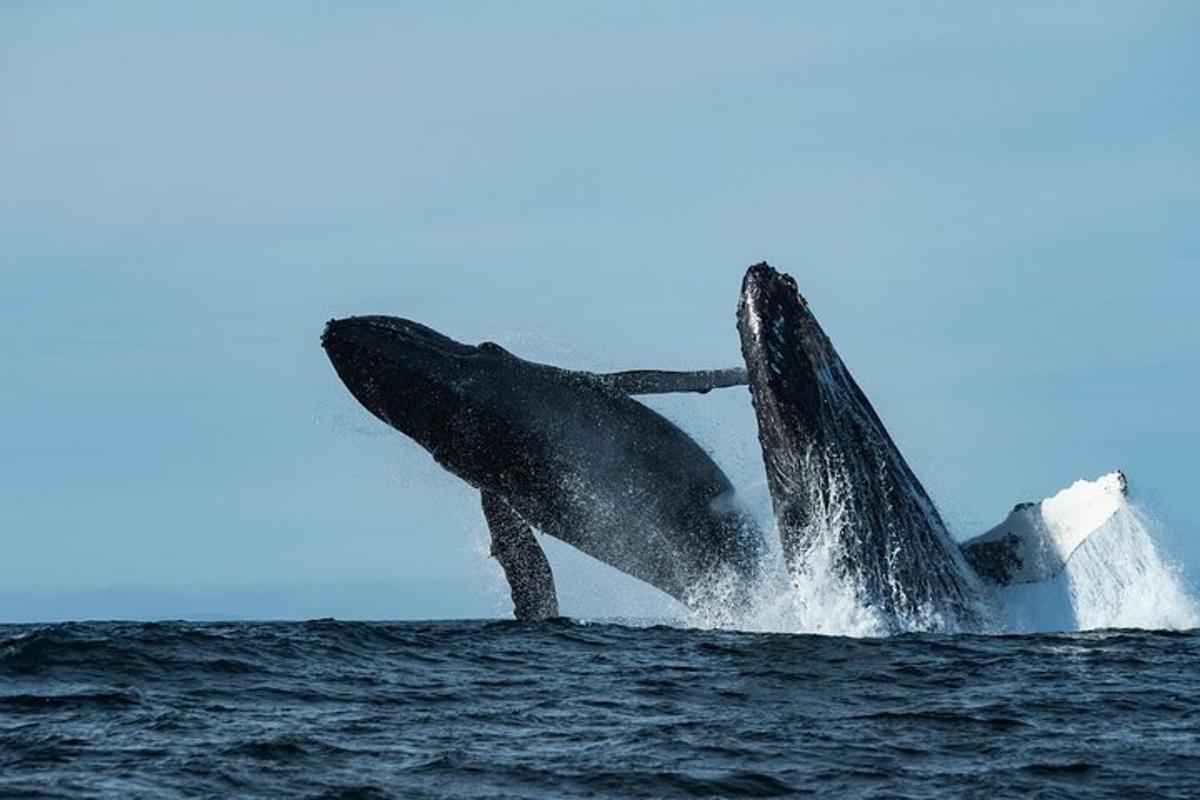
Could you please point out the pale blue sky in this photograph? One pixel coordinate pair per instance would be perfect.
(993, 208)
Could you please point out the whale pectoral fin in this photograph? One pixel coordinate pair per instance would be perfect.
(524, 563)
(654, 381)
(1037, 540)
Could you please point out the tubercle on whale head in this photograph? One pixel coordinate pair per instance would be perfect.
(763, 274)
(769, 294)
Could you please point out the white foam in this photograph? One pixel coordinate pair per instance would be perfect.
(813, 596)
(813, 601)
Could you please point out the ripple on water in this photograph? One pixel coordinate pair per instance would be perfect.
(465, 709)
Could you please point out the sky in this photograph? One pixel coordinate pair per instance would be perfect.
(992, 208)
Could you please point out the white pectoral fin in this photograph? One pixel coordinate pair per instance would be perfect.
(1037, 540)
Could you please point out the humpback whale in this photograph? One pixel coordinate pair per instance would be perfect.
(837, 480)
(568, 453)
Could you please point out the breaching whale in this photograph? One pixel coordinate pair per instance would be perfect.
(837, 480)
(568, 453)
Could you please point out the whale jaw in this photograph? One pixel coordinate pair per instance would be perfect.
(839, 485)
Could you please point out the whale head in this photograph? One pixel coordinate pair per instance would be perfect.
(784, 346)
(419, 381)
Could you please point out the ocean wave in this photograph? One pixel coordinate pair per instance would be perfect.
(568, 709)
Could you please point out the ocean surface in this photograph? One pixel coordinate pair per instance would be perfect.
(329, 709)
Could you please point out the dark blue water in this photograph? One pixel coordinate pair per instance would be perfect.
(503, 709)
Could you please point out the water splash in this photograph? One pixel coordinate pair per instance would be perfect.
(1110, 574)
(817, 597)
(814, 595)
(821, 585)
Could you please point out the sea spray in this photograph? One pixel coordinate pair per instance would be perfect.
(820, 587)
(1119, 579)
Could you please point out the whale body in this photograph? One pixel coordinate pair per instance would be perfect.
(568, 453)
